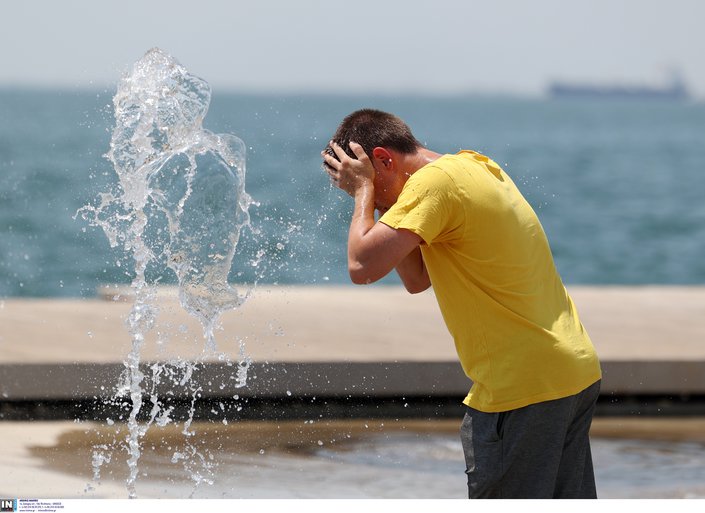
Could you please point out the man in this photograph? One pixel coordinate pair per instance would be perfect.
(459, 223)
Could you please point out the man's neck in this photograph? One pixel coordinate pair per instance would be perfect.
(417, 160)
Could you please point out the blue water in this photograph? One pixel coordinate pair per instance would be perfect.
(618, 186)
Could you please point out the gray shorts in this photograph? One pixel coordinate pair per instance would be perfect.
(541, 451)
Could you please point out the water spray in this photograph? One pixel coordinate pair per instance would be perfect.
(180, 204)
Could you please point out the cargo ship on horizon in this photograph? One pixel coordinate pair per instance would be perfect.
(675, 91)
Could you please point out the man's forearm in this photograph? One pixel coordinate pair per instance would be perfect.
(362, 221)
(374, 249)
(413, 273)
(365, 263)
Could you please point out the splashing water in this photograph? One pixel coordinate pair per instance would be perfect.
(180, 204)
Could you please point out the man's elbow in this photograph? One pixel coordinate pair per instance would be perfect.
(417, 288)
(360, 275)
(359, 278)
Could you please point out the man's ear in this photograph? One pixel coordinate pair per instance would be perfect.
(383, 156)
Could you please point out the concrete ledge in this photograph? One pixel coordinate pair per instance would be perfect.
(653, 377)
(23, 382)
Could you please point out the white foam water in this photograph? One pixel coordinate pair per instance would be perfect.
(180, 204)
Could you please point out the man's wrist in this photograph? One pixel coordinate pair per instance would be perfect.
(365, 189)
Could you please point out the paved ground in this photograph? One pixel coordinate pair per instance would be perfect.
(53, 459)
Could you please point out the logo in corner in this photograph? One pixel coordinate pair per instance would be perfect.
(8, 504)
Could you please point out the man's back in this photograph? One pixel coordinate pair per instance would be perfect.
(516, 330)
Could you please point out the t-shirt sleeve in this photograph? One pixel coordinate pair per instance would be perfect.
(427, 207)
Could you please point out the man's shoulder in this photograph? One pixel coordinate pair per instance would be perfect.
(459, 168)
(436, 172)
(448, 172)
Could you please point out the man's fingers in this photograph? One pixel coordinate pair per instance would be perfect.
(346, 171)
(358, 151)
(331, 162)
(342, 156)
(339, 151)
(331, 172)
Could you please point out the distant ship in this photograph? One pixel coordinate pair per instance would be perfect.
(676, 91)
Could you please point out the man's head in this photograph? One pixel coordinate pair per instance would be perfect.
(373, 128)
(393, 150)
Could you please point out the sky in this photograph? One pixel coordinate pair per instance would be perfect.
(358, 46)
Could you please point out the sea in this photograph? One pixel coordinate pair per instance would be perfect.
(619, 185)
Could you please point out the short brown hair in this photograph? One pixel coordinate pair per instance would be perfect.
(371, 128)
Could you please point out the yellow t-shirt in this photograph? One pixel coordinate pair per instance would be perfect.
(516, 330)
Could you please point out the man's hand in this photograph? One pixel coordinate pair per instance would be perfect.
(349, 174)
(374, 249)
